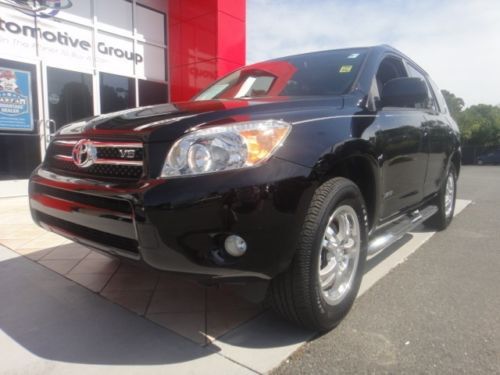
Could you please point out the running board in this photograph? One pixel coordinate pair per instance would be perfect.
(399, 228)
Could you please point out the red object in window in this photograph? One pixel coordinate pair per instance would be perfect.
(206, 41)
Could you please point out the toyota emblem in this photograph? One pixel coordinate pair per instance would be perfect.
(84, 153)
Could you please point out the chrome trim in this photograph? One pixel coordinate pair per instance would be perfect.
(102, 144)
(339, 255)
(69, 159)
(118, 162)
(399, 228)
(117, 144)
(66, 158)
(449, 195)
(65, 143)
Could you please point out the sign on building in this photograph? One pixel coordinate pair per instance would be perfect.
(15, 100)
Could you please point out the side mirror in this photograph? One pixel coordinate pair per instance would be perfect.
(404, 92)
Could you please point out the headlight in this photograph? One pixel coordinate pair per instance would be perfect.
(225, 147)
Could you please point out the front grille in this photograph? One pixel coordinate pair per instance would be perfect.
(119, 160)
(114, 153)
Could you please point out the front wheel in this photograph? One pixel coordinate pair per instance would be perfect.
(321, 284)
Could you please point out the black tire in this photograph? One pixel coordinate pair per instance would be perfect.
(440, 220)
(296, 294)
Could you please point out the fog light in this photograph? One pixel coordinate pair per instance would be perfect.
(235, 245)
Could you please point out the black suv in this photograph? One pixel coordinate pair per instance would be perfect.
(291, 170)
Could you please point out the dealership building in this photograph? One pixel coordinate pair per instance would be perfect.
(64, 60)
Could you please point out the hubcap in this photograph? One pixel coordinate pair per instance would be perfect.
(449, 195)
(339, 254)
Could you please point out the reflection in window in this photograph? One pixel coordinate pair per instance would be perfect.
(326, 73)
(117, 92)
(152, 93)
(70, 96)
(255, 86)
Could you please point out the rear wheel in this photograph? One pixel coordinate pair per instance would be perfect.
(445, 202)
(321, 284)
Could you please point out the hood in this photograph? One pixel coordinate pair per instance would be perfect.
(167, 122)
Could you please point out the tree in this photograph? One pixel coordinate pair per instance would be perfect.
(454, 103)
(480, 125)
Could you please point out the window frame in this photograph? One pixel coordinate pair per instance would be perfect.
(433, 103)
(374, 87)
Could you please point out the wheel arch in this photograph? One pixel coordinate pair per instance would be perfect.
(455, 159)
(355, 161)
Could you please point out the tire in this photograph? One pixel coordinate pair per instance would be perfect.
(443, 217)
(297, 294)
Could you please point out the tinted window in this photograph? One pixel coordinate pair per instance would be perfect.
(152, 93)
(439, 96)
(413, 72)
(70, 96)
(390, 68)
(117, 92)
(20, 153)
(324, 73)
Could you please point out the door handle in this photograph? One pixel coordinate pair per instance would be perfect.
(50, 129)
(51, 125)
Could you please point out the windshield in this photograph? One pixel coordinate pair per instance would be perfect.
(322, 73)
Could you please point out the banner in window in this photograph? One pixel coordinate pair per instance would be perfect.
(15, 100)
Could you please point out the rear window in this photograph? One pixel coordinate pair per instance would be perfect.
(317, 74)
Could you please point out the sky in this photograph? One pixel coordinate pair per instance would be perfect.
(456, 41)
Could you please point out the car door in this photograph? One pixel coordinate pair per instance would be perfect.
(437, 134)
(399, 145)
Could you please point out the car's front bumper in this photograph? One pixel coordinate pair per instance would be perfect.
(179, 224)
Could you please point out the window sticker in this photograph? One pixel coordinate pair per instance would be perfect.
(353, 55)
(345, 68)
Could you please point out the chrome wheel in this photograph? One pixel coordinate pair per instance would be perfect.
(449, 195)
(339, 254)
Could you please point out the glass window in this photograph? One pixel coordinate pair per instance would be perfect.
(439, 96)
(325, 73)
(412, 72)
(117, 92)
(390, 68)
(116, 55)
(152, 93)
(115, 16)
(153, 64)
(70, 96)
(150, 24)
(19, 153)
(76, 11)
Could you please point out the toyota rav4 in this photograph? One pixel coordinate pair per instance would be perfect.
(292, 170)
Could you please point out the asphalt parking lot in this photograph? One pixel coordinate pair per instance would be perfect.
(439, 312)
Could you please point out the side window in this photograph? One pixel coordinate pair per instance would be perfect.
(431, 102)
(390, 68)
(439, 97)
